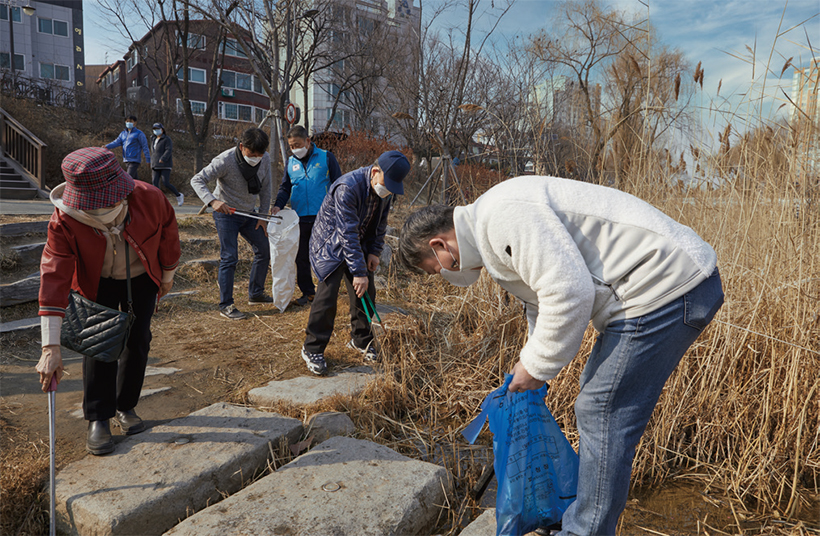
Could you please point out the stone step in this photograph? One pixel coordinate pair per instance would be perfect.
(344, 487)
(311, 389)
(13, 230)
(19, 326)
(26, 254)
(162, 475)
(23, 291)
(483, 525)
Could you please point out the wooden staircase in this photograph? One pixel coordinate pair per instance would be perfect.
(21, 161)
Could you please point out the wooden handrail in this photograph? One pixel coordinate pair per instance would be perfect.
(19, 144)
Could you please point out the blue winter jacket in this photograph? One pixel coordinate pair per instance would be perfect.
(132, 143)
(335, 236)
(307, 181)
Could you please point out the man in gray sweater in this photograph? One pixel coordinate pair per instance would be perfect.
(243, 178)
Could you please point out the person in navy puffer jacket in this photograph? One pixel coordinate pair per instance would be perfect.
(347, 239)
(308, 176)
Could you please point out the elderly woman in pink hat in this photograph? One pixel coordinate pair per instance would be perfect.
(101, 211)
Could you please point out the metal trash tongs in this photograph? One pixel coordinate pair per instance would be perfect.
(264, 217)
(52, 432)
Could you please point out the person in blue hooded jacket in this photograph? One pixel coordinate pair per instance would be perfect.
(308, 175)
(134, 144)
(347, 239)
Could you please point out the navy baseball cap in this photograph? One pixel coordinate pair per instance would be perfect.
(395, 167)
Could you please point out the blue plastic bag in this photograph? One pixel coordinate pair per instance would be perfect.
(536, 467)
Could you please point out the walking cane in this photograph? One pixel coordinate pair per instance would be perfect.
(52, 432)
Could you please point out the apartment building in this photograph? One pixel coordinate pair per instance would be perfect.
(43, 40)
(390, 23)
(143, 73)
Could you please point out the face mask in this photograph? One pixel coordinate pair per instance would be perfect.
(106, 215)
(381, 190)
(157, 132)
(129, 125)
(252, 160)
(300, 153)
(458, 278)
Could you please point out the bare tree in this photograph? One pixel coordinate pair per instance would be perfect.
(166, 52)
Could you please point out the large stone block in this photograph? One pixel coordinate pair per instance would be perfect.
(158, 477)
(343, 487)
(308, 390)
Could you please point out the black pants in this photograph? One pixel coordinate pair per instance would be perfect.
(133, 169)
(323, 311)
(304, 277)
(108, 387)
(163, 176)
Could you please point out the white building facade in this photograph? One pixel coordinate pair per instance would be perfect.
(43, 41)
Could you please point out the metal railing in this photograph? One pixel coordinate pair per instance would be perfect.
(17, 143)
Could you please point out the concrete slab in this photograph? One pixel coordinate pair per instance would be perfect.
(342, 487)
(309, 390)
(322, 426)
(25, 228)
(483, 525)
(156, 478)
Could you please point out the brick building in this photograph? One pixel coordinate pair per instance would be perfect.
(158, 54)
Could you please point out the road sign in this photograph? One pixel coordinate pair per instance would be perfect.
(291, 114)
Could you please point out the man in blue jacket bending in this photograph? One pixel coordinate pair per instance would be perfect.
(348, 238)
(134, 144)
(308, 176)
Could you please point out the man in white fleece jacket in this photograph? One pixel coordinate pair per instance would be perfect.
(574, 252)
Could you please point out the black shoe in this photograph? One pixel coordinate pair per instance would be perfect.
(232, 313)
(99, 440)
(261, 299)
(304, 300)
(315, 362)
(129, 422)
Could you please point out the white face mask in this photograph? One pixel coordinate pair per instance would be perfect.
(381, 190)
(301, 152)
(157, 132)
(252, 160)
(129, 125)
(458, 278)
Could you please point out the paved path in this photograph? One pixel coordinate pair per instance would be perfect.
(44, 206)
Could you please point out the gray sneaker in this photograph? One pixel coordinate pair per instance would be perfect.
(370, 353)
(315, 362)
(232, 313)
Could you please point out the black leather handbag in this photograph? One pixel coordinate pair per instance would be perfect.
(95, 330)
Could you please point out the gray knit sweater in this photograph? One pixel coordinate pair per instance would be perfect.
(231, 187)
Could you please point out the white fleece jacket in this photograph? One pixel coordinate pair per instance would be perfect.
(575, 252)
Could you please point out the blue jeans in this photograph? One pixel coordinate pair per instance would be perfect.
(228, 228)
(620, 385)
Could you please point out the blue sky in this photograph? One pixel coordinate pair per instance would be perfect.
(714, 32)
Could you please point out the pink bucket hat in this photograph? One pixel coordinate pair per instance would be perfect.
(94, 179)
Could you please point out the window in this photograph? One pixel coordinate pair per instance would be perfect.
(16, 14)
(197, 107)
(197, 76)
(116, 74)
(133, 59)
(257, 85)
(233, 48)
(240, 112)
(145, 81)
(19, 61)
(55, 27)
(195, 41)
(243, 81)
(53, 72)
(258, 115)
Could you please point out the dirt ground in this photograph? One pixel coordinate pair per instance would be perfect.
(217, 360)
